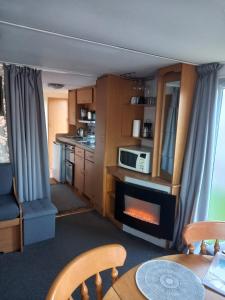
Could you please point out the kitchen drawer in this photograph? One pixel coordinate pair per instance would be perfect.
(79, 160)
(89, 156)
(79, 152)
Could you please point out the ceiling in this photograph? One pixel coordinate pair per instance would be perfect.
(76, 41)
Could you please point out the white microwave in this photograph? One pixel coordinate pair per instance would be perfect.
(136, 158)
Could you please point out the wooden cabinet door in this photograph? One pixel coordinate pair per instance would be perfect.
(85, 95)
(89, 179)
(72, 107)
(79, 173)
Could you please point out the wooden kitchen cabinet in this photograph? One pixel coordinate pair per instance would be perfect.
(72, 107)
(85, 95)
(89, 174)
(79, 173)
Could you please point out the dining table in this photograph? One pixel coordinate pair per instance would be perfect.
(125, 288)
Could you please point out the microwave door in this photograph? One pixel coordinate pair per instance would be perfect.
(128, 159)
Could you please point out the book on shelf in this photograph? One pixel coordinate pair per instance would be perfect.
(215, 277)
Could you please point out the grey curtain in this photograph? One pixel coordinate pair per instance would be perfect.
(200, 152)
(27, 132)
(170, 132)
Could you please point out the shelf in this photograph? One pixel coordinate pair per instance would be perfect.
(144, 139)
(122, 174)
(87, 121)
(142, 105)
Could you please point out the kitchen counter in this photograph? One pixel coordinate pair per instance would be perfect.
(76, 142)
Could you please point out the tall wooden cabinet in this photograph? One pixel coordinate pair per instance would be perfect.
(113, 94)
(187, 79)
(114, 124)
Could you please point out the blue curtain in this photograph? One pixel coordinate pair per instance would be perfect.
(27, 132)
(200, 151)
(170, 132)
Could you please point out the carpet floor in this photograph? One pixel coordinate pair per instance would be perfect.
(28, 275)
(64, 198)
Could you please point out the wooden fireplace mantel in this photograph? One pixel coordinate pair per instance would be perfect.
(122, 173)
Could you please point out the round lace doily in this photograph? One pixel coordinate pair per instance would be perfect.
(162, 279)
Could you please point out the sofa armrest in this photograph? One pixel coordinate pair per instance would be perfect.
(16, 196)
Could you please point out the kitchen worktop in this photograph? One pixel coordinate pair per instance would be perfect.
(79, 142)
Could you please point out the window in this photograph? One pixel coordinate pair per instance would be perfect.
(217, 201)
(4, 153)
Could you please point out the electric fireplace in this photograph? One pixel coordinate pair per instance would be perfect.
(148, 210)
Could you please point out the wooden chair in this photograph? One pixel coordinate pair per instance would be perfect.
(83, 267)
(201, 231)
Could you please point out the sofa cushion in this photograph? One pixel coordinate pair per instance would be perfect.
(8, 207)
(6, 175)
(37, 208)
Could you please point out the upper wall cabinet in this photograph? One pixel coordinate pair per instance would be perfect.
(72, 107)
(85, 95)
(176, 85)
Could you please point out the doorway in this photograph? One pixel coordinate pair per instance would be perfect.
(57, 123)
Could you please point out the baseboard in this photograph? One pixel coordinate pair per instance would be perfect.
(149, 238)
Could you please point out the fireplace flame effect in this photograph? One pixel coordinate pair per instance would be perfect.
(142, 215)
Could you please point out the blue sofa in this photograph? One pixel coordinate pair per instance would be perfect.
(10, 212)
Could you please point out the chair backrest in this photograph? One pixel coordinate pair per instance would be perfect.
(6, 182)
(83, 267)
(201, 231)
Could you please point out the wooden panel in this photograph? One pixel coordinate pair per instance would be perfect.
(170, 77)
(89, 179)
(9, 223)
(85, 95)
(79, 160)
(120, 92)
(79, 151)
(112, 96)
(130, 113)
(72, 107)
(79, 173)
(159, 106)
(188, 81)
(10, 235)
(170, 69)
(100, 130)
(89, 156)
(94, 94)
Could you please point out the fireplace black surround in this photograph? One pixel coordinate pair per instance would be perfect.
(162, 200)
